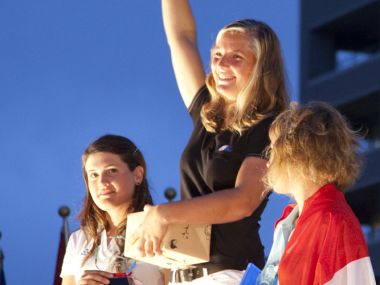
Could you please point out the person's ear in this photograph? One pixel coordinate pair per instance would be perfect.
(138, 174)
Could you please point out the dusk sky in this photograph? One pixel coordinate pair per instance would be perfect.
(71, 71)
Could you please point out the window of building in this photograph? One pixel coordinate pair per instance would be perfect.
(345, 41)
(345, 59)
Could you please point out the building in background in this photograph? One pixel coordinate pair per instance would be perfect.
(340, 64)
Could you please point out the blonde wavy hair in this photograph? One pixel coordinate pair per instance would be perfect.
(265, 93)
(314, 144)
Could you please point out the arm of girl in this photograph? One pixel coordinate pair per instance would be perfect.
(180, 32)
(219, 207)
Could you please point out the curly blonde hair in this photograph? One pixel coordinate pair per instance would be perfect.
(265, 93)
(313, 144)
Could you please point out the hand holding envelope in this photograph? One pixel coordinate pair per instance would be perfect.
(181, 245)
(148, 234)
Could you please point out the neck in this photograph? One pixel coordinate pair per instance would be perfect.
(303, 191)
(115, 219)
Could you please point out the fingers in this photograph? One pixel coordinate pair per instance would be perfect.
(156, 246)
(148, 246)
(95, 277)
(147, 239)
(140, 246)
(152, 247)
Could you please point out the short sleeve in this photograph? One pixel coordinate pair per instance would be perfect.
(76, 250)
(200, 98)
(69, 261)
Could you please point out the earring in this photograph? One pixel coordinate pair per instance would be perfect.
(138, 183)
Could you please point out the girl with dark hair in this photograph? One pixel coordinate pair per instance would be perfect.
(114, 172)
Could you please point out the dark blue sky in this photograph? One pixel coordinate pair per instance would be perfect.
(71, 71)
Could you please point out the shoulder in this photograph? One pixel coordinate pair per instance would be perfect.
(76, 250)
(342, 240)
(256, 138)
(201, 97)
(333, 212)
(328, 205)
(341, 217)
(259, 132)
(333, 216)
(262, 126)
(77, 236)
(78, 239)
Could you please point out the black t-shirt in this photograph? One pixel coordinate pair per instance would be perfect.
(209, 163)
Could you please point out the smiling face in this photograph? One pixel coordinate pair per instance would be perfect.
(232, 63)
(110, 181)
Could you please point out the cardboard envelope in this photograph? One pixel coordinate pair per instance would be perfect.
(183, 245)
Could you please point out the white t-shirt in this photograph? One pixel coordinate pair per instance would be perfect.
(78, 248)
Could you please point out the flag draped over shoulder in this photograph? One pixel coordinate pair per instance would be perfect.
(327, 245)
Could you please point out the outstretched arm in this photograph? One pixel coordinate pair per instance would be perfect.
(180, 32)
(220, 207)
